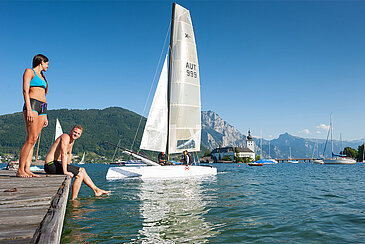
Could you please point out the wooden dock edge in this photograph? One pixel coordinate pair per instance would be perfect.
(50, 229)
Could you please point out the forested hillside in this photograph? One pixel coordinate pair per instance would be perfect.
(99, 126)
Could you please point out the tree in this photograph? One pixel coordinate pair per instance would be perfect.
(360, 153)
(257, 157)
(246, 159)
(350, 152)
(206, 152)
(227, 158)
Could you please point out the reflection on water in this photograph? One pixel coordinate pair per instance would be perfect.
(81, 211)
(174, 211)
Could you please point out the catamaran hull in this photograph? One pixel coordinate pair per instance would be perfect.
(339, 161)
(159, 172)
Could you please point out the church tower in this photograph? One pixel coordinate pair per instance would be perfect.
(250, 142)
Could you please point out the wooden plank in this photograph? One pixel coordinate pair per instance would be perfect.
(22, 211)
(50, 229)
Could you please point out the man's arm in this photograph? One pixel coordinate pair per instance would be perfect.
(69, 153)
(65, 140)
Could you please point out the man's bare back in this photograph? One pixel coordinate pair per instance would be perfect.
(54, 153)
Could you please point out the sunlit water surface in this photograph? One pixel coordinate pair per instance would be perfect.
(291, 203)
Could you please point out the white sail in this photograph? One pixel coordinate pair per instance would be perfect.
(185, 106)
(58, 129)
(155, 132)
(82, 159)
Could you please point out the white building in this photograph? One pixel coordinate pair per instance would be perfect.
(250, 142)
(246, 152)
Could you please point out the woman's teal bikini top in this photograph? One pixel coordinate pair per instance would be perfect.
(37, 82)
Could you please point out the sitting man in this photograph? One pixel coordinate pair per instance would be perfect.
(186, 158)
(162, 158)
(58, 161)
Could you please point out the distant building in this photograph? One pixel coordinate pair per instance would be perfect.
(250, 142)
(243, 152)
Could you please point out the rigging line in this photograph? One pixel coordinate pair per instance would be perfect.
(115, 152)
(153, 82)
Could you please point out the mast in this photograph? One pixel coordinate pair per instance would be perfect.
(169, 77)
(331, 136)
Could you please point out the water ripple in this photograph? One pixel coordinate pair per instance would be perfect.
(281, 203)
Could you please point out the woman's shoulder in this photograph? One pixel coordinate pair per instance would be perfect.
(29, 71)
(28, 74)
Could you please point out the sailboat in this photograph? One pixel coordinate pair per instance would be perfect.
(82, 159)
(174, 121)
(317, 160)
(337, 158)
(290, 158)
(58, 131)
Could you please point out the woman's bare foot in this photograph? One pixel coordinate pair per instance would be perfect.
(100, 192)
(31, 174)
(22, 174)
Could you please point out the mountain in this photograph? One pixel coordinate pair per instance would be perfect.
(216, 131)
(110, 124)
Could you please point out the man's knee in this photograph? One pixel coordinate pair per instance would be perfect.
(80, 174)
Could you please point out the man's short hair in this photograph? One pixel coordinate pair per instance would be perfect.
(78, 127)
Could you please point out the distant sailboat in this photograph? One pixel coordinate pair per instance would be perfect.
(290, 158)
(58, 129)
(82, 159)
(174, 121)
(267, 160)
(337, 158)
(318, 160)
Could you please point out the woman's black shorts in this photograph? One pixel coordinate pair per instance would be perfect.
(55, 167)
(38, 106)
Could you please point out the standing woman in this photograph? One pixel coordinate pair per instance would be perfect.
(35, 88)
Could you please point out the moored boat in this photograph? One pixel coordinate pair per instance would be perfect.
(174, 121)
(255, 164)
(337, 158)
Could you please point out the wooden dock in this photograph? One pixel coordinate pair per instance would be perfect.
(32, 210)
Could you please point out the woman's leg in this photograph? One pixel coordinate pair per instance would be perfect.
(32, 135)
(29, 160)
(41, 120)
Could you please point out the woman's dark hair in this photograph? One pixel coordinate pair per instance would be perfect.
(37, 60)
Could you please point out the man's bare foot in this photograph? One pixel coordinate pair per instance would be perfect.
(22, 174)
(100, 192)
(31, 174)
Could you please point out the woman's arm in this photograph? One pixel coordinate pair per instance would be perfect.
(27, 77)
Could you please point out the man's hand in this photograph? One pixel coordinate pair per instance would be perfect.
(69, 173)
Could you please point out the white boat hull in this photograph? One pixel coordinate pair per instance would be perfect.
(318, 161)
(339, 161)
(159, 172)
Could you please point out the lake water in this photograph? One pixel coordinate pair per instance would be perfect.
(290, 203)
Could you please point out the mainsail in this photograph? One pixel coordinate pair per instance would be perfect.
(184, 106)
(174, 121)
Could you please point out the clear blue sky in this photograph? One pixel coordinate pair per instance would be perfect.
(275, 66)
